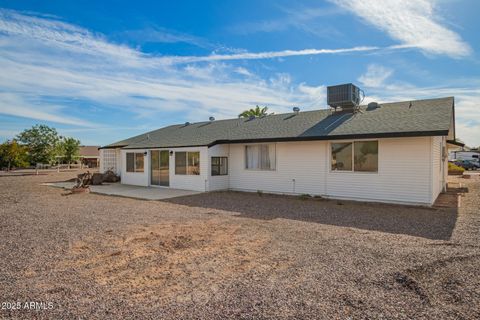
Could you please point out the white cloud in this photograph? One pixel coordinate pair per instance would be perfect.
(63, 36)
(243, 71)
(7, 134)
(42, 58)
(414, 23)
(265, 55)
(14, 105)
(467, 113)
(155, 34)
(305, 19)
(375, 76)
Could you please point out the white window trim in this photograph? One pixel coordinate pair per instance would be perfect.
(329, 162)
(211, 164)
(186, 163)
(257, 144)
(134, 162)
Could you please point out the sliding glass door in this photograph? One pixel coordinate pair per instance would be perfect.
(164, 168)
(160, 173)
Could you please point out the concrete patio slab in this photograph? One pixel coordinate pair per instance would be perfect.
(137, 192)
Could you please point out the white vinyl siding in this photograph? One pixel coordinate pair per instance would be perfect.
(300, 168)
(404, 172)
(197, 182)
(135, 178)
(438, 166)
(219, 182)
(187, 182)
(409, 171)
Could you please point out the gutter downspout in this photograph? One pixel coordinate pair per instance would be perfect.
(327, 164)
(430, 173)
(444, 158)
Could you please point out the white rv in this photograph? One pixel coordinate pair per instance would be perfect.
(464, 155)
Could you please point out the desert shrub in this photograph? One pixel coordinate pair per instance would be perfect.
(305, 196)
(454, 169)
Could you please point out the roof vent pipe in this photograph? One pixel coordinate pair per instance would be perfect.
(296, 109)
(211, 118)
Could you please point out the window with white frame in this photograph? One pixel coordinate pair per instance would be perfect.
(187, 163)
(342, 156)
(358, 156)
(260, 157)
(135, 162)
(219, 166)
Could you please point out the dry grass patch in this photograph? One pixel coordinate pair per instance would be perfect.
(182, 262)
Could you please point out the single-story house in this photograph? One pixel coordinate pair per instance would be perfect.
(389, 152)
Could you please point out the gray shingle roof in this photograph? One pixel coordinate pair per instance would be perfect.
(410, 118)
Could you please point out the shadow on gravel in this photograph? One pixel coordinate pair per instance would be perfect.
(436, 224)
(450, 281)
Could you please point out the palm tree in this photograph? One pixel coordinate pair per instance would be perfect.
(257, 112)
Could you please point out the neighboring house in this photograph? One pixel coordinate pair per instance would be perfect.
(392, 152)
(89, 156)
(454, 146)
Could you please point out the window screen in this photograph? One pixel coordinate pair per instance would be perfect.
(366, 156)
(130, 162)
(358, 156)
(180, 163)
(342, 156)
(219, 166)
(187, 162)
(260, 157)
(135, 162)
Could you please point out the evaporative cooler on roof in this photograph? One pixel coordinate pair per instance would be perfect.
(345, 96)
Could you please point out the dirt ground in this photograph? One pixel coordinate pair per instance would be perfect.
(233, 255)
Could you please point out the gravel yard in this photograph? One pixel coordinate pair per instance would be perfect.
(234, 255)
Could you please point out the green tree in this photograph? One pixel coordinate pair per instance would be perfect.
(257, 112)
(41, 142)
(69, 149)
(12, 154)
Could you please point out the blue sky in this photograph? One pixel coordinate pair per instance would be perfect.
(102, 71)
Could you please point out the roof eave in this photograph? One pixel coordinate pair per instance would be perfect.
(112, 147)
(340, 137)
(456, 143)
(292, 139)
(163, 147)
